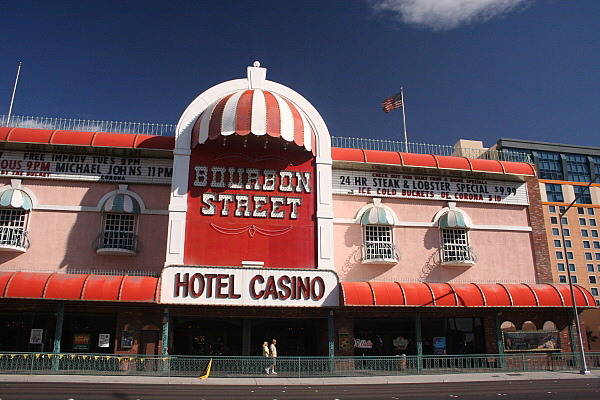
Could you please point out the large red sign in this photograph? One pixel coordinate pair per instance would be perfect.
(245, 205)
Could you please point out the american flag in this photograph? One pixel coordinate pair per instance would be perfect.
(392, 103)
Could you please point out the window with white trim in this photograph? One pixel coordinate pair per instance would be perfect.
(378, 235)
(119, 225)
(119, 231)
(455, 245)
(378, 242)
(13, 228)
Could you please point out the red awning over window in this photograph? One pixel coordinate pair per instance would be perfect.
(461, 295)
(32, 285)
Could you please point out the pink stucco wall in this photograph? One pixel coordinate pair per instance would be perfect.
(64, 239)
(504, 255)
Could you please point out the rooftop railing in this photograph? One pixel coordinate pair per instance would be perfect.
(336, 141)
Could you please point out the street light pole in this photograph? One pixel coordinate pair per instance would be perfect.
(583, 364)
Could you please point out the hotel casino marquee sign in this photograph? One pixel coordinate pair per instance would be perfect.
(428, 187)
(249, 287)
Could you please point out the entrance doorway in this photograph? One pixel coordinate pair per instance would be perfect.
(294, 337)
(149, 343)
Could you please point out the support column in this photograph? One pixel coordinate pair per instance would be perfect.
(499, 341)
(419, 340)
(330, 339)
(165, 332)
(246, 337)
(60, 318)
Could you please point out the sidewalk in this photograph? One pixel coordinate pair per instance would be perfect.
(282, 381)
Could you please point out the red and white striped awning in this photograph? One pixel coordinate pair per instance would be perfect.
(254, 113)
(396, 294)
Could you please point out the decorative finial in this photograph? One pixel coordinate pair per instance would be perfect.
(256, 76)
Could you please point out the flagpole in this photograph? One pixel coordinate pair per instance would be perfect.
(404, 120)
(13, 95)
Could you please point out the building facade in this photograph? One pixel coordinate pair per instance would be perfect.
(247, 226)
(565, 172)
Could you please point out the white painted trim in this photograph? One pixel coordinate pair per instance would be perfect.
(57, 207)
(407, 224)
(122, 190)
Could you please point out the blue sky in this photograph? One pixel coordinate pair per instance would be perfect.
(483, 70)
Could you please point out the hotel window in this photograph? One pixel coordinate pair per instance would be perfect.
(597, 256)
(555, 232)
(559, 255)
(562, 279)
(594, 233)
(584, 193)
(550, 165)
(584, 233)
(596, 166)
(590, 267)
(564, 221)
(592, 222)
(566, 232)
(554, 220)
(557, 244)
(574, 280)
(569, 255)
(454, 227)
(552, 209)
(590, 211)
(567, 244)
(588, 256)
(560, 267)
(592, 279)
(578, 168)
(594, 291)
(597, 245)
(554, 192)
(572, 267)
(586, 244)
(378, 235)
(561, 209)
(119, 225)
(580, 210)
(15, 206)
(582, 222)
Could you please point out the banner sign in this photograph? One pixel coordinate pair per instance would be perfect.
(427, 187)
(249, 287)
(85, 167)
(531, 341)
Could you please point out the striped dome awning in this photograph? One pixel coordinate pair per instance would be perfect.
(121, 202)
(254, 112)
(453, 219)
(15, 198)
(377, 216)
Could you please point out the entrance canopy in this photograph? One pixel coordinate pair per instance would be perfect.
(31, 285)
(461, 295)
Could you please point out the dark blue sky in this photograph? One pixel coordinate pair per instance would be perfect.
(530, 71)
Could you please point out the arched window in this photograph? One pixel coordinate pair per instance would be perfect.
(549, 326)
(454, 225)
(528, 326)
(15, 206)
(378, 235)
(508, 326)
(120, 224)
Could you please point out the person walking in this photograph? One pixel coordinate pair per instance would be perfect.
(266, 353)
(273, 354)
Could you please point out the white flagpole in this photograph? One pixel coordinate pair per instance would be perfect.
(404, 120)
(13, 94)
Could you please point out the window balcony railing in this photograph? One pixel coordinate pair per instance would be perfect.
(457, 254)
(117, 243)
(13, 239)
(379, 253)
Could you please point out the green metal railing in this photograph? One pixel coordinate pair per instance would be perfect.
(300, 367)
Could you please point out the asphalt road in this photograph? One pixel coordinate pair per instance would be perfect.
(588, 389)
